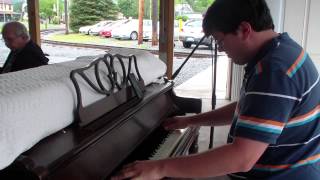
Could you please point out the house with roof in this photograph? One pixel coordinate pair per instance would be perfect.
(6, 11)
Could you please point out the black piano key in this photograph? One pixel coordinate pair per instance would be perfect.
(147, 148)
(150, 145)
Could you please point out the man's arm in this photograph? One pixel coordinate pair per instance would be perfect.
(240, 156)
(219, 117)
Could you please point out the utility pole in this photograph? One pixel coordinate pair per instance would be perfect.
(66, 16)
(4, 11)
(141, 14)
(150, 9)
(154, 22)
(58, 10)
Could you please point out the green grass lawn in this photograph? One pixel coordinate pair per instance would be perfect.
(51, 26)
(98, 40)
(78, 38)
(87, 39)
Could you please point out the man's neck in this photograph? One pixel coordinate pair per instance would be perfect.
(261, 39)
(21, 47)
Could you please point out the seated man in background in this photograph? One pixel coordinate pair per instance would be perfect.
(24, 53)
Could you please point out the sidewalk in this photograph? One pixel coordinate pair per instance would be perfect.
(200, 86)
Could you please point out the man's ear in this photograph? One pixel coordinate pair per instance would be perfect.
(245, 30)
(25, 38)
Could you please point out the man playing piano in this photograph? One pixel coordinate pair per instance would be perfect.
(275, 124)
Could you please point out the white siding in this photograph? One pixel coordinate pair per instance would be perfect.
(301, 21)
(294, 19)
(313, 36)
(277, 11)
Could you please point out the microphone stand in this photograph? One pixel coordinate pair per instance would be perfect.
(214, 78)
(214, 75)
(175, 74)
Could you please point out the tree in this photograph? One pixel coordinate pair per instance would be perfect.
(17, 6)
(199, 6)
(66, 15)
(46, 9)
(84, 12)
(129, 8)
(109, 9)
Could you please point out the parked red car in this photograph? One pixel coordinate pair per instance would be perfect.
(107, 31)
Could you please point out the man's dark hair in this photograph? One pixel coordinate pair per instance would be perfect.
(226, 15)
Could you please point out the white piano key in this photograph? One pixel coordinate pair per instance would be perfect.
(169, 144)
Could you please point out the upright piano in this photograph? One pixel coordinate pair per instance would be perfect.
(123, 127)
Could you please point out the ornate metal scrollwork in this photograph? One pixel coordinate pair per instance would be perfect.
(123, 86)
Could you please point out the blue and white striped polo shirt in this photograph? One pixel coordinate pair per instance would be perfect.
(280, 105)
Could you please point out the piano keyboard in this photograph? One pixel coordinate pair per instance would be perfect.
(168, 145)
(161, 144)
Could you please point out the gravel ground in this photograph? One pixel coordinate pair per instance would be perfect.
(190, 69)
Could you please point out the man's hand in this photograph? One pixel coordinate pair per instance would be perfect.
(141, 170)
(176, 123)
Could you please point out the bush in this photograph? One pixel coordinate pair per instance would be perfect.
(184, 18)
(55, 20)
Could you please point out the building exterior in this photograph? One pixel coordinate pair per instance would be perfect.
(6, 11)
(181, 9)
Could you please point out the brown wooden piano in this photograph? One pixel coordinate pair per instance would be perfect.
(121, 128)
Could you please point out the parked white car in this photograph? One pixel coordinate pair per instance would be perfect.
(130, 29)
(107, 30)
(192, 33)
(96, 30)
(86, 29)
(147, 32)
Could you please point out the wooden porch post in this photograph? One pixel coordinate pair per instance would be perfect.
(140, 29)
(34, 20)
(166, 33)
